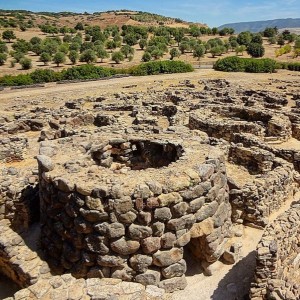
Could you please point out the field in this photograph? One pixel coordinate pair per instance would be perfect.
(117, 20)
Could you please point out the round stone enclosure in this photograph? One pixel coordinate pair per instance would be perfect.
(111, 209)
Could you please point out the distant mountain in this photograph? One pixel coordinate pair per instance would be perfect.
(258, 26)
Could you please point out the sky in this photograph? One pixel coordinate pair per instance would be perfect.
(213, 13)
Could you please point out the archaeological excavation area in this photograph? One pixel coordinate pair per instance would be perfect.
(112, 193)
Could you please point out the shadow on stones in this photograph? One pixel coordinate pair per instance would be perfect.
(236, 283)
(27, 209)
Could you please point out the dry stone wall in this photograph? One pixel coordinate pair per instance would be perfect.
(12, 149)
(274, 183)
(277, 274)
(19, 199)
(128, 183)
(101, 228)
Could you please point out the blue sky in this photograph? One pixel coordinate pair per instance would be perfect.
(214, 13)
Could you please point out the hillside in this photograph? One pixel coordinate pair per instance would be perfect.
(13, 18)
(257, 26)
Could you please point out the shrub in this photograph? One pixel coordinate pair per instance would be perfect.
(59, 58)
(88, 56)
(293, 66)
(40, 76)
(3, 47)
(238, 64)
(21, 79)
(94, 72)
(26, 63)
(3, 58)
(73, 56)
(146, 57)
(17, 56)
(117, 57)
(158, 67)
(256, 50)
(87, 72)
(12, 63)
(260, 65)
(45, 57)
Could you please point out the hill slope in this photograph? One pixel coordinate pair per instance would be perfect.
(257, 26)
(103, 19)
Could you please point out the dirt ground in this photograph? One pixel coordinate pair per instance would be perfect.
(84, 89)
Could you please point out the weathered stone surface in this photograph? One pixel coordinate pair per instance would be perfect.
(123, 206)
(115, 230)
(150, 244)
(93, 215)
(158, 228)
(162, 214)
(168, 240)
(173, 284)
(167, 258)
(203, 228)
(123, 272)
(206, 211)
(175, 270)
(97, 244)
(125, 247)
(196, 204)
(150, 277)
(168, 199)
(45, 163)
(110, 260)
(137, 232)
(140, 262)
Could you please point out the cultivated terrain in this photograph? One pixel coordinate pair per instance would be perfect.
(122, 39)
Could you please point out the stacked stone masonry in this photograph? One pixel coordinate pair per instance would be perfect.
(129, 181)
(277, 274)
(135, 229)
(12, 149)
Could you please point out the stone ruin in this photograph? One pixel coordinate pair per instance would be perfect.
(127, 207)
(126, 186)
(278, 258)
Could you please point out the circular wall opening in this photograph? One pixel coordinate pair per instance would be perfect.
(139, 154)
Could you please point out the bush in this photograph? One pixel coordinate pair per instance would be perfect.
(260, 65)
(88, 56)
(3, 47)
(73, 56)
(146, 57)
(26, 63)
(45, 57)
(94, 72)
(59, 58)
(256, 50)
(87, 72)
(3, 58)
(117, 57)
(9, 80)
(159, 67)
(41, 76)
(251, 65)
(293, 66)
